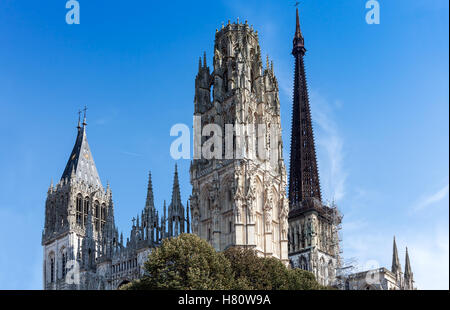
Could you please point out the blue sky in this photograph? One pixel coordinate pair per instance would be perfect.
(379, 98)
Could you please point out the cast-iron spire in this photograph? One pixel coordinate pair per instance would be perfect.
(303, 173)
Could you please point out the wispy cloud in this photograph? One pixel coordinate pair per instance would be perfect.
(432, 199)
(329, 139)
(131, 154)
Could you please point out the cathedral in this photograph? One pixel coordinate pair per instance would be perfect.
(238, 194)
(82, 245)
(382, 278)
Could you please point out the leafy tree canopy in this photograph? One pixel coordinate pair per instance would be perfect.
(188, 262)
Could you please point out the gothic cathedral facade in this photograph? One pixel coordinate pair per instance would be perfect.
(82, 246)
(240, 200)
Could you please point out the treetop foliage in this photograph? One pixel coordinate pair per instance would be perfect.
(188, 262)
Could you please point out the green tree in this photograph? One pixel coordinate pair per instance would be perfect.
(258, 273)
(303, 280)
(185, 263)
(188, 262)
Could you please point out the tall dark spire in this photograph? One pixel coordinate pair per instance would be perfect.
(395, 261)
(303, 174)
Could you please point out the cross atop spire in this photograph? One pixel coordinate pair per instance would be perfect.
(84, 117)
(79, 117)
(298, 32)
(299, 42)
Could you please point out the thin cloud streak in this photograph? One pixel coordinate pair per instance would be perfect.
(432, 199)
(332, 173)
(131, 154)
(329, 139)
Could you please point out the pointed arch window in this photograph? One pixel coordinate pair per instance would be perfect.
(64, 264)
(52, 269)
(96, 215)
(85, 210)
(79, 207)
(103, 216)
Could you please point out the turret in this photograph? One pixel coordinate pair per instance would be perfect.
(202, 99)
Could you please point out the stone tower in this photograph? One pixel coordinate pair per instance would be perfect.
(313, 238)
(238, 195)
(76, 212)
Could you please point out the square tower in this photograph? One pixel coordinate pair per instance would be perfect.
(238, 195)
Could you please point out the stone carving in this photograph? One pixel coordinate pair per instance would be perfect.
(268, 215)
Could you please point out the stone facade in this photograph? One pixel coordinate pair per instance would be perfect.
(240, 200)
(314, 243)
(382, 278)
(82, 246)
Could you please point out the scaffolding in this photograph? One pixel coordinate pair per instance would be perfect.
(343, 268)
(346, 267)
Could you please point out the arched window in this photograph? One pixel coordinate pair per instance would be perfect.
(64, 264)
(85, 211)
(79, 204)
(303, 263)
(97, 215)
(331, 272)
(52, 269)
(103, 216)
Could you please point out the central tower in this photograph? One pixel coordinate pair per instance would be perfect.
(240, 200)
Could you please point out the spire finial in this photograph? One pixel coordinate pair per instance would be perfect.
(84, 117)
(79, 117)
(299, 42)
(204, 59)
